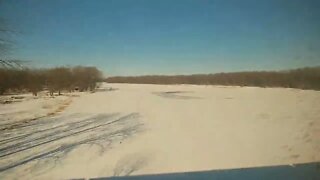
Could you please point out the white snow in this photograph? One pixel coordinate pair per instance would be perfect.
(148, 129)
(18, 108)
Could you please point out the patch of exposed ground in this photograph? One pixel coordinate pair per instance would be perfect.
(176, 94)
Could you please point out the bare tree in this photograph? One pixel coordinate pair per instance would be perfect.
(86, 77)
(56, 79)
(14, 75)
(5, 38)
(59, 79)
(35, 81)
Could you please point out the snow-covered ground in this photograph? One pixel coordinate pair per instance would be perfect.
(147, 129)
(23, 108)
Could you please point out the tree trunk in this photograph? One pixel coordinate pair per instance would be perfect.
(35, 93)
(2, 91)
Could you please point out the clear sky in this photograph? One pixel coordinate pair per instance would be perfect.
(137, 37)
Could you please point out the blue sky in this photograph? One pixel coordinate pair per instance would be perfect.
(137, 37)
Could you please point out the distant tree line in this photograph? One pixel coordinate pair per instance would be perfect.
(53, 79)
(303, 78)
